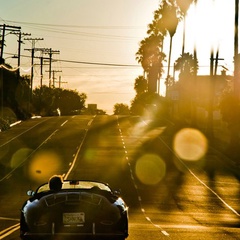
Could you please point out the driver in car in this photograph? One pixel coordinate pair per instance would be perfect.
(55, 183)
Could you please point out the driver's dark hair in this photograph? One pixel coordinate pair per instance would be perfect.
(55, 182)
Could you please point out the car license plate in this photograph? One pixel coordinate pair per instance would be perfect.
(73, 218)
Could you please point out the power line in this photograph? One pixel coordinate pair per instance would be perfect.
(66, 29)
(97, 63)
(100, 64)
(76, 26)
(88, 63)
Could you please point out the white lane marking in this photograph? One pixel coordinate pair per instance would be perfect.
(199, 180)
(213, 192)
(27, 131)
(165, 233)
(64, 123)
(21, 163)
(75, 158)
(78, 150)
(90, 122)
(16, 227)
(22, 133)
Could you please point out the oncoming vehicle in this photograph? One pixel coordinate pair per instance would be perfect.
(81, 209)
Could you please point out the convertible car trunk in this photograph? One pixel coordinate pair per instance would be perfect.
(76, 213)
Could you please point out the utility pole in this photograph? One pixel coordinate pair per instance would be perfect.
(213, 76)
(210, 107)
(3, 40)
(60, 82)
(50, 53)
(5, 28)
(33, 40)
(20, 35)
(54, 71)
(53, 74)
(236, 56)
(42, 50)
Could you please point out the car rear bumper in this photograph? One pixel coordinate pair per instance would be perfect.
(61, 236)
(90, 232)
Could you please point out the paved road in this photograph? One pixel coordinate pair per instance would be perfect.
(168, 198)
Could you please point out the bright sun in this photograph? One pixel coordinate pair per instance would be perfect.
(210, 24)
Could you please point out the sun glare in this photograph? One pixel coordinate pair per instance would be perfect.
(190, 144)
(43, 165)
(150, 169)
(20, 156)
(210, 25)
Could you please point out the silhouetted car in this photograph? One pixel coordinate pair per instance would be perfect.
(80, 209)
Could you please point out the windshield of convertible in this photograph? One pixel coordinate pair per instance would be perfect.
(78, 185)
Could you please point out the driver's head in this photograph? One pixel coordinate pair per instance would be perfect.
(55, 182)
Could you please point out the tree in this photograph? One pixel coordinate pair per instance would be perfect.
(23, 97)
(140, 85)
(184, 6)
(170, 21)
(148, 104)
(187, 65)
(150, 53)
(169, 16)
(44, 101)
(69, 101)
(47, 100)
(121, 109)
(12, 92)
(150, 56)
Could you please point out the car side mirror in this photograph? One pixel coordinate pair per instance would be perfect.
(30, 193)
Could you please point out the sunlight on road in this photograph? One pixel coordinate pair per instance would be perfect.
(150, 169)
(190, 144)
(43, 165)
(138, 129)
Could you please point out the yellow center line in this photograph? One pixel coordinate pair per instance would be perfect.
(9, 230)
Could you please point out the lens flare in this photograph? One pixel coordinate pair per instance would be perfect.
(43, 165)
(190, 144)
(90, 156)
(150, 169)
(20, 156)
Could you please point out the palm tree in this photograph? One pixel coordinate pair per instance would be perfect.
(187, 64)
(184, 6)
(150, 56)
(140, 85)
(150, 53)
(170, 22)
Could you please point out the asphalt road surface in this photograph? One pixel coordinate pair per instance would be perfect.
(168, 197)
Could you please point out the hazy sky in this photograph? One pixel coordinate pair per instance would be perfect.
(109, 32)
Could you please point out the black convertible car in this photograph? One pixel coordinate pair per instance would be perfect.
(81, 209)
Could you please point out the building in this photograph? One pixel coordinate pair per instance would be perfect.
(196, 98)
